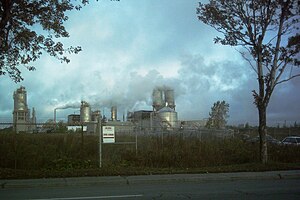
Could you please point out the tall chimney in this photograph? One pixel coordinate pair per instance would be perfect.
(114, 113)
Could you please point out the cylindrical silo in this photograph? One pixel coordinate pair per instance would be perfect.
(114, 116)
(169, 98)
(168, 117)
(20, 99)
(85, 112)
(157, 98)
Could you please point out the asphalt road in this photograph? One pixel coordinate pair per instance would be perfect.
(216, 186)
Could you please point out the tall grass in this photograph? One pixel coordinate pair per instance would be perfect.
(71, 151)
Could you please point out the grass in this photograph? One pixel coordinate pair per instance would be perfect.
(127, 171)
(70, 155)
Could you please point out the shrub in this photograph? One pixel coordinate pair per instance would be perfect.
(71, 151)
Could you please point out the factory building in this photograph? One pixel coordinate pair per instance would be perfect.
(88, 120)
(83, 121)
(120, 126)
(22, 122)
(163, 115)
(73, 120)
(142, 119)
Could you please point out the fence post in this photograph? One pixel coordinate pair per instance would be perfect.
(82, 141)
(15, 147)
(136, 144)
(100, 142)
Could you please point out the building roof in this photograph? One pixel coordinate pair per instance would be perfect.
(166, 109)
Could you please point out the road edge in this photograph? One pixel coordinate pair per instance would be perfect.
(140, 179)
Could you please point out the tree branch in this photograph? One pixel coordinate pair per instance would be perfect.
(248, 60)
(285, 80)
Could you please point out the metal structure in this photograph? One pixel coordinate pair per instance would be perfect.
(169, 98)
(73, 119)
(168, 117)
(20, 99)
(161, 97)
(114, 116)
(21, 113)
(96, 115)
(157, 97)
(85, 112)
(33, 120)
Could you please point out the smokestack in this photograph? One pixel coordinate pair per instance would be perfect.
(54, 118)
(114, 113)
(71, 105)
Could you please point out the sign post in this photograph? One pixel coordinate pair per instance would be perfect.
(100, 142)
(108, 134)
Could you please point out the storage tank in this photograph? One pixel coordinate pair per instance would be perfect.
(168, 117)
(169, 98)
(20, 99)
(157, 98)
(85, 112)
(114, 116)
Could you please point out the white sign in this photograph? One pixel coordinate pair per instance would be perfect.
(108, 134)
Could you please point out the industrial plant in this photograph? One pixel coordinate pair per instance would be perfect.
(162, 116)
(22, 122)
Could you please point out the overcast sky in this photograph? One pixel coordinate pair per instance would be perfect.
(129, 47)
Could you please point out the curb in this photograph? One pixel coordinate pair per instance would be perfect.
(132, 180)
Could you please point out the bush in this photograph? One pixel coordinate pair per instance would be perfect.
(71, 151)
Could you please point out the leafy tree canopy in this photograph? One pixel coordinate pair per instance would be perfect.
(267, 29)
(269, 32)
(29, 28)
(218, 115)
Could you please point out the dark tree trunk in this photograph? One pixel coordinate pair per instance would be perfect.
(262, 130)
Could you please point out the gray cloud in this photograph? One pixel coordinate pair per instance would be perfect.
(130, 47)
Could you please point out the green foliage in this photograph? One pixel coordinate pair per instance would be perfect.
(247, 125)
(69, 164)
(30, 28)
(65, 152)
(268, 32)
(260, 27)
(61, 127)
(218, 115)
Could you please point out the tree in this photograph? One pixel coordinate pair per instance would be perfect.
(30, 28)
(49, 124)
(61, 127)
(247, 126)
(218, 115)
(267, 31)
